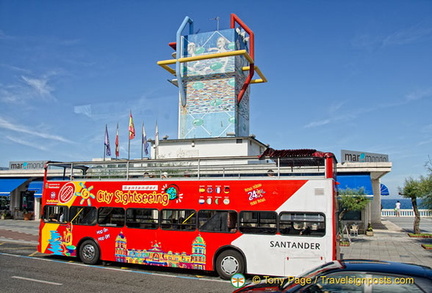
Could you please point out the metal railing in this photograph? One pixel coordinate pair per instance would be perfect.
(405, 213)
(240, 167)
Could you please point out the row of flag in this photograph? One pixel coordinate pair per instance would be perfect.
(132, 134)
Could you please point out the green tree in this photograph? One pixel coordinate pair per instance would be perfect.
(427, 187)
(351, 200)
(414, 189)
(426, 190)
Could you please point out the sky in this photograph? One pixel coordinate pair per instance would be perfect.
(342, 75)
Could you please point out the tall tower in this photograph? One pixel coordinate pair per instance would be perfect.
(213, 71)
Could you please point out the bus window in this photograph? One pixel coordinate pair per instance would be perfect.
(83, 215)
(217, 221)
(258, 222)
(55, 214)
(178, 220)
(142, 218)
(113, 217)
(304, 224)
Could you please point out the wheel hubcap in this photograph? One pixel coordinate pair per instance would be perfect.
(88, 252)
(230, 265)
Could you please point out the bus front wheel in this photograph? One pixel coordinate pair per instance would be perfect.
(89, 252)
(229, 263)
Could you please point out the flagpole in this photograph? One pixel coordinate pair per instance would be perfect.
(117, 147)
(104, 143)
(107, 147)
(131, 132)
(129, 136)
(142, 141)
(156, 141)
(144, 147)
(128, 149)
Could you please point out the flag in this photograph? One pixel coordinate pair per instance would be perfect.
(131, 127)
(107, 142)
(156, 135)
(117, 148)
(144, 140)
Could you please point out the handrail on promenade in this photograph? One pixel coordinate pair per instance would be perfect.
(405, 213)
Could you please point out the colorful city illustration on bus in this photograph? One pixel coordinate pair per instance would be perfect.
(158, 257)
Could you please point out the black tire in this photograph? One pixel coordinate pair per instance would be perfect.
(89, 252)
(229, 263)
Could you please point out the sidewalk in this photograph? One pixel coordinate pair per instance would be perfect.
(390, 241)
(19, 231)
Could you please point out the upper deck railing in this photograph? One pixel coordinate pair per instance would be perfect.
(198, 168)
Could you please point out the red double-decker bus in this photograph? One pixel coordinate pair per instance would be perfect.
(275, 215)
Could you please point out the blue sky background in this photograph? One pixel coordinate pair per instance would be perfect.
(354, 75)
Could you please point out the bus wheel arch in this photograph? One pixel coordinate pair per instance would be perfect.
(89, 251)
(229, 261)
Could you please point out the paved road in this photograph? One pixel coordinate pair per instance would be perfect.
(390, 241)
(50, 274)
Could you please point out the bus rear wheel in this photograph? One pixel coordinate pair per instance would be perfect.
(89, 252)
(229, 263)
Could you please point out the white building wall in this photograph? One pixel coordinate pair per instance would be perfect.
(189, 148)
(376, 202)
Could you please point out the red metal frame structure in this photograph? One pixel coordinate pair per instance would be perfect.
(250, 56)
(233, 20)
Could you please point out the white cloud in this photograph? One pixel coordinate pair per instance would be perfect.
(365, 42)
(336, 114)
(39, 85)
(406, 36)
(83, 109)
(419, 94)
(336, 110)
(9, 94)
(372, 42)
(28, 88)
(335, 107)
(35, 132)
(425, 142)
(15, 68)
(27, 143)
(318, 123)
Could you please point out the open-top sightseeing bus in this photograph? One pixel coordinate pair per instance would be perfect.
(273, 215)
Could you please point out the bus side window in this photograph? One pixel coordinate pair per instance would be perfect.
(258, 222)
(187, 220)
(167, 220)
(55, 214)
(82, 215)
(142, 218)
(302, 224)
(63, 214)
(178, 220)
(232, 221)
(113, 217)
(217, 221)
